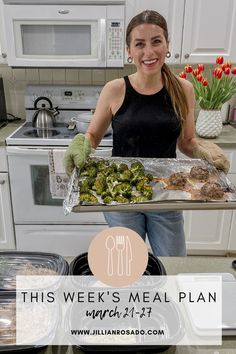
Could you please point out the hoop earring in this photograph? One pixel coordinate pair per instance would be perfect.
(168, 54)
(130, 60)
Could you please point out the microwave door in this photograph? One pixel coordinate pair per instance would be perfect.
(75, 39)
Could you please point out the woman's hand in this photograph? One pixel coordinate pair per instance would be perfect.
(77, 153)
(209, 151)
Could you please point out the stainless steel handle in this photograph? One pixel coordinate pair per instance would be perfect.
(176, 55)
(30, 151)
(63, 12)
(4, 55)
(186, 56)
(2, 181)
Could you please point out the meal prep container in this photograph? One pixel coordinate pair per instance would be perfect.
(14, 263)
(80, 266)
(8, 328)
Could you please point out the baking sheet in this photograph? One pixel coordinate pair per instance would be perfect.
(159, 168)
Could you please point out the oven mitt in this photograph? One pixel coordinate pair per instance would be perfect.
(212, 153)
(77, 153)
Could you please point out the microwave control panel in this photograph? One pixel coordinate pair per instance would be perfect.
(115, 40)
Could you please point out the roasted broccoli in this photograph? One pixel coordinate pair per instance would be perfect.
(149, 176)
(108, 200)
(85, 186)
(126, 175)
(100, 184)
(121, 199)
(122, 167)
(122, 188)
(105, 194)
(90, 171)
(147, 191)
(115, 182)
(141, 182)
(137, 166)
(102, 165)
(88, 197)
(138, 199)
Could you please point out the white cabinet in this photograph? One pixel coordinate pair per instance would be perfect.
(207, 230)
(7, 240)
(209, 31)
(3, 54)
(232, 235)
(231, 154)
(198, 30)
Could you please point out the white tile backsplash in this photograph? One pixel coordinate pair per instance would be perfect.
(45, 76)
(85, 77)
(72, 76)
(32, 75)
(98, 76)
(58, 76)
(19, 74)
(16, 79)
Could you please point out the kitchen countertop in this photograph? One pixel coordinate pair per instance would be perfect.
(227, 136)
(8, 130)
(175, 265)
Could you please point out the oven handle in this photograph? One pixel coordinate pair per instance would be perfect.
(16, 150)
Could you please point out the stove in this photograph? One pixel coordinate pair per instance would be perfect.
(69, 100)
(39, 220)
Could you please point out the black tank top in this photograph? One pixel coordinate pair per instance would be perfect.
(145, 125)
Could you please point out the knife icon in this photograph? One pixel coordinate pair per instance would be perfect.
(129, 257)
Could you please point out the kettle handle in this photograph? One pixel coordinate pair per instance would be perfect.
(42, 98)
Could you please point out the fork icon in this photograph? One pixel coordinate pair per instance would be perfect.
(120, 246)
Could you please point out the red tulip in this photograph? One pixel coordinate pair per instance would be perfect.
(188, 68)
(204, 82)
(200, 67)
(219, 60)
(196, 72)
(183, 75)
(228, 64)
(199, 77)
(233, 71)
(227, 71)
(217, 72)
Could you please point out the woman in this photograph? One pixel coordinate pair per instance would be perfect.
(151, 112)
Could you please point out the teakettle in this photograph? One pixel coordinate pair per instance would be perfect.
(43, 118)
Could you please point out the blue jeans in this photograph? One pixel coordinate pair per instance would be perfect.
(165, 229)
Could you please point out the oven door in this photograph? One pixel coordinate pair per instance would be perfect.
(30, 189)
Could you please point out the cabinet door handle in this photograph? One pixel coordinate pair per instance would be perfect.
(186, 56)
(176, 55)
(2, 181)
(63, 11)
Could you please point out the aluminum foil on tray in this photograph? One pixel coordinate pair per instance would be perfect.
(159, 180)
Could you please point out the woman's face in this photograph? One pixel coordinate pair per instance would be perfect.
(148, 48)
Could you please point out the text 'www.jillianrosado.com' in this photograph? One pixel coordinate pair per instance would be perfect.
(117, 332)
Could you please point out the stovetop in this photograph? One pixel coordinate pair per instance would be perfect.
(60, 135)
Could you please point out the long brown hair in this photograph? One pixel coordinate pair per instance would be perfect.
(171, 82)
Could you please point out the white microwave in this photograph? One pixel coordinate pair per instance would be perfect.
(64, 35)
